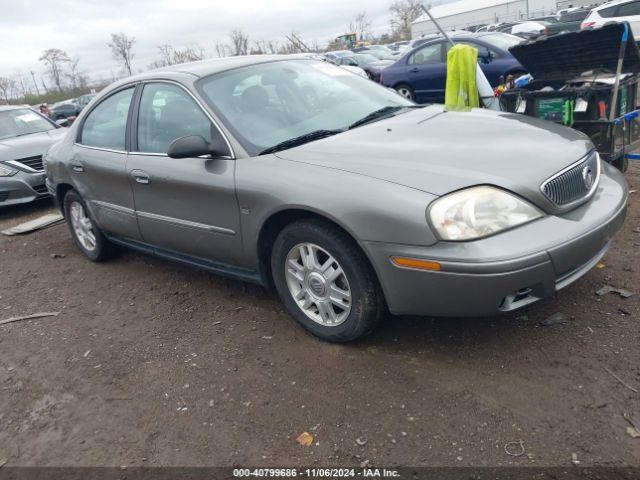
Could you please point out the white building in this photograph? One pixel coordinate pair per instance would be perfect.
(465, 13)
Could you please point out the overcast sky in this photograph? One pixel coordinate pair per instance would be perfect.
(83, 27)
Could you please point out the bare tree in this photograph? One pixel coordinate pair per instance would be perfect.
(74, 73)
(166, 52)
(403, 12)
(53, 58)
(360, 25)
(173, 56)
(121, 46)
(192, 53)
(239, 42)
(7, 85)
(222, 49)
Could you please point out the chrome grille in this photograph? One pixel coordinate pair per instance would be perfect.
(32, 162)
(574, 183)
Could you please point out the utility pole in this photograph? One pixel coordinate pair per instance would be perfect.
(34, 82)
(300, 41)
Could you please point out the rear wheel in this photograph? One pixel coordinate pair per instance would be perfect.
(85, 232)
(406, 91)
(326, 282)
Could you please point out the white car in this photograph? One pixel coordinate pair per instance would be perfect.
(613, 12)
(530, 28)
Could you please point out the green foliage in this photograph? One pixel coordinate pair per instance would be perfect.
(53, 96)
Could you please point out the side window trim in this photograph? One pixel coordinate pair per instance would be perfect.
(78, 139)
(134, 125)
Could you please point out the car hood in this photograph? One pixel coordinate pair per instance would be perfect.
(439, 152)
(29, 145)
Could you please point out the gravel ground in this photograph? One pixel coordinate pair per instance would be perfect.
(152, 363)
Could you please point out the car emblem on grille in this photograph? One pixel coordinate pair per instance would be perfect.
(587, 177)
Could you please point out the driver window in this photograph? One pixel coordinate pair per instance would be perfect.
(167, 112)
(427, 55)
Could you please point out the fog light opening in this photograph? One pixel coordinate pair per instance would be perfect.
(519, 298)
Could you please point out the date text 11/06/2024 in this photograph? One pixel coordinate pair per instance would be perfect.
(315, 473)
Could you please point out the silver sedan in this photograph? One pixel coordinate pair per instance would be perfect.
(349, 199)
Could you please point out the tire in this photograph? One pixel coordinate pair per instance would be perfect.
(405, 91)
(84, 231)
(345, 270)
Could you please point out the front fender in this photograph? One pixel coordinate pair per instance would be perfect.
(369, 209)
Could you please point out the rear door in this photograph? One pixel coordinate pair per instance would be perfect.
(427, 73)
(98, 164)
(189, 205)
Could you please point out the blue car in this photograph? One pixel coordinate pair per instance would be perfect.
(421, 74)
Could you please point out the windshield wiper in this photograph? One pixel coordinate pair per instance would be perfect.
(302, 139)
(380, 114)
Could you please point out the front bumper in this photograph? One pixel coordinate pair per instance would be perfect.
(509, 270)
(22, 187)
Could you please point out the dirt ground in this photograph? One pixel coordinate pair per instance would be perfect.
(153, 363)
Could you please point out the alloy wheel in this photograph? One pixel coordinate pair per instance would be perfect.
(82, 227)
(318, 284)
(405, 92)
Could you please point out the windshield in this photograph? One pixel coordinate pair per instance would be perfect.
(22, 121)
(502, 41)
(269, 103)
(379, 54)
(365, 58)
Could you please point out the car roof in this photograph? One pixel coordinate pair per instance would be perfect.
(203, 68)
(609, 4)
(196, 70)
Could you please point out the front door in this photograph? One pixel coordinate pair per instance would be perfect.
(189, 205)
(98, 165)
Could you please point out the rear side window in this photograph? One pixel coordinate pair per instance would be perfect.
(427, 55)
(167, 112)
(608, 12)
(574, 16)
(628, 9)
(106, 124)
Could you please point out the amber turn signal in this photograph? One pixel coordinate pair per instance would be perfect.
(416, 263)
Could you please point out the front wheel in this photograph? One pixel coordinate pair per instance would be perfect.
(326, 282)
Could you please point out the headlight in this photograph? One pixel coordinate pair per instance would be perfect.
(478, 212)
(6, 171)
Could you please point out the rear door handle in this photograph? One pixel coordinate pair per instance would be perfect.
(77, 168)
(141, 176)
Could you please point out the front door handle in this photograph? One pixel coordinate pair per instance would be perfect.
(77, 168)
(415, 70)
(140, 176)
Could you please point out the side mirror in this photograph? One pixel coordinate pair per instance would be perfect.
(63, 122)
(190, 146)
(485, 55)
